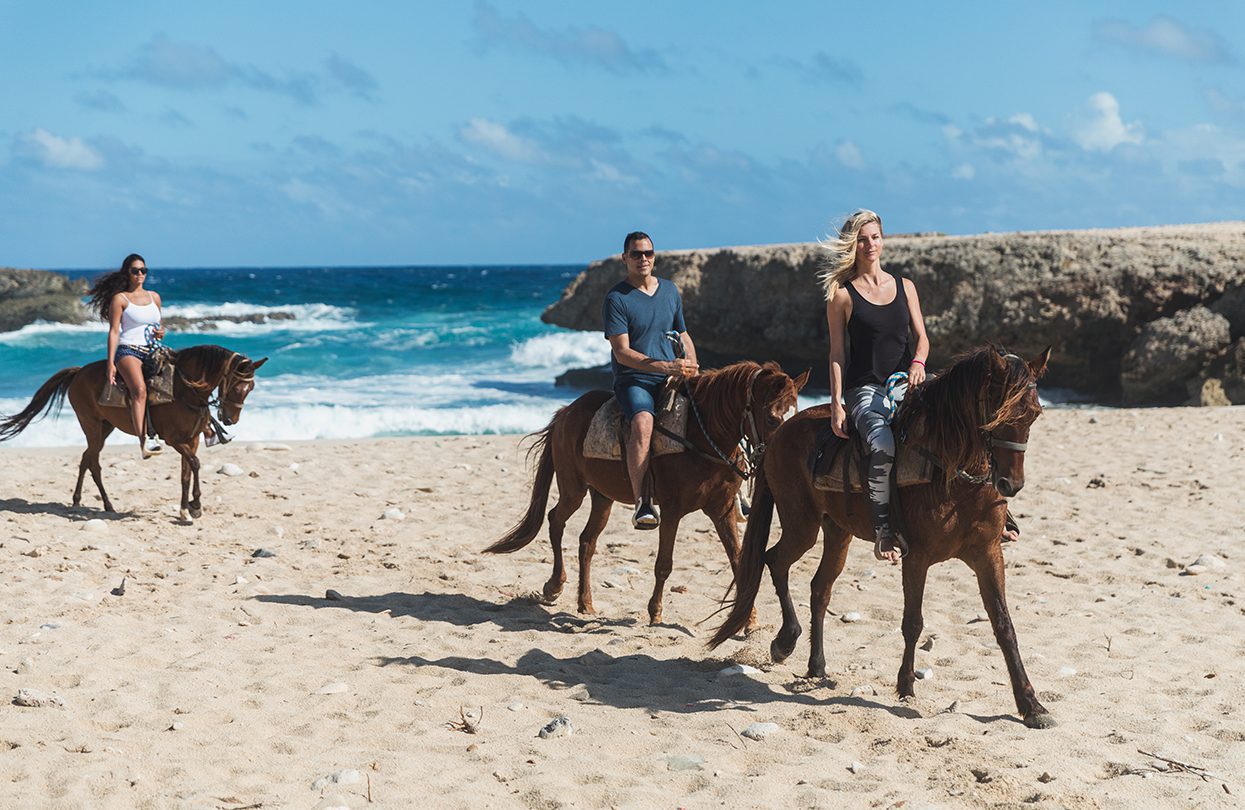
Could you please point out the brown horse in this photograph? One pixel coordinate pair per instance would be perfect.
(201, 371)
(975, 420)
(744, 401)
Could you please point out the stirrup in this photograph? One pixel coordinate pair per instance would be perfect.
(896, 543)
(646, 516)
(151, 447)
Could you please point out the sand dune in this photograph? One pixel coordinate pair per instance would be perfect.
(219, 679)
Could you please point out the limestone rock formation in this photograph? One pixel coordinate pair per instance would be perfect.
(27, 296)
(1169, 353)
(1087, 293)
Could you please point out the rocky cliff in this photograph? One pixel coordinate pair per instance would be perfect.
(27, 296)
(1139, 315)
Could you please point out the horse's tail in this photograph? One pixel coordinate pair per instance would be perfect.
(50, 394)
(525, 531)
(751, 560)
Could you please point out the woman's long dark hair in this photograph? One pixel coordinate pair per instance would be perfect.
(109, 284)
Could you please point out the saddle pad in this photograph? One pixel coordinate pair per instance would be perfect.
(159, 390)
(845, 471)
(603, 432)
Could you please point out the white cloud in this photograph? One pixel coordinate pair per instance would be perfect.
(964, 171)
(1164, 36)
(62, 153)
(849, 155)
(1024, 121)
(1101, 128)
(497, 139)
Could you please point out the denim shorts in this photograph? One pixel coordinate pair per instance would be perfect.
(131, 351)
(637, 396)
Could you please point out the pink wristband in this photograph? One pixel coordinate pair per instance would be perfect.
(920, 362)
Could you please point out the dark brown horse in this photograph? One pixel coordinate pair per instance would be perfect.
(201, 372)
(975, 420)
(742, 401)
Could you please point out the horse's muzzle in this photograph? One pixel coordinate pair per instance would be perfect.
(1008, 487)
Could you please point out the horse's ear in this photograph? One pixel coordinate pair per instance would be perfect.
(1038, 366)
(802, 380)
(255, 366)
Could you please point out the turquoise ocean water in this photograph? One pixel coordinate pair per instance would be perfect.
(369, 351)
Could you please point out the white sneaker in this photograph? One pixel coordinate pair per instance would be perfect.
(646, 516)
(152, 447)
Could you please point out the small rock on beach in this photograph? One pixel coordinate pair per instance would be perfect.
(759, 731)
(36, 699)
(738, 669)
(232, 470)
(559, 726)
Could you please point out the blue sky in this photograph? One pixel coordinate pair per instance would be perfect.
(282, 133)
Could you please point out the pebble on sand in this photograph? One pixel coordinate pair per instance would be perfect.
(738, 669)
(335, 688)
(36, 699)
(349, 776)
(855, 767)
(1067, 672)
(559, 726)
(263, 552)
(94, 525)
(850, 617)
(759, 731)
(1204, 563)
(685, 762)
(925, 674)
(392, 513)
(232, 470)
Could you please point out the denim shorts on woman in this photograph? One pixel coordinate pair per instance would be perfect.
(637, 396)
(131, 351)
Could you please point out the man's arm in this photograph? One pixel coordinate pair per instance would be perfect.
(621, 346)
(689, 349)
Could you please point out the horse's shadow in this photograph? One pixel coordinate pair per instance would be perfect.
(21, 506)
(635, 681)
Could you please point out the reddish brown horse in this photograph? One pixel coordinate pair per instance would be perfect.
(742, 401)
(975, 420)
(201, 372)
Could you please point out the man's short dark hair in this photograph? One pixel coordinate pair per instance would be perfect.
(634, 236)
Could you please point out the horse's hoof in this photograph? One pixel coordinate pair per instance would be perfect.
(780, 652)
(195, 512)
(655, 618)
(1042, 720)
(185, 516)
(551, 594)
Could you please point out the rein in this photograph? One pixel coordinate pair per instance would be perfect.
(991, 442)
(751, 448)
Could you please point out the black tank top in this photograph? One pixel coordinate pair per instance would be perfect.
(879, 338)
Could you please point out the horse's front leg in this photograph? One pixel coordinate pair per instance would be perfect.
(190, 466)
(728, 533)
(915, 571)
(988, 566)
(196, 506)
(667, 532)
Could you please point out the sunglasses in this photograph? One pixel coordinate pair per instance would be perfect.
(138, 271)
(636, 255)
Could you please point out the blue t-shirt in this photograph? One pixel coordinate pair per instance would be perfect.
(645, 319)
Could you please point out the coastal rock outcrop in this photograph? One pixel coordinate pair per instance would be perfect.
(27, 296)
(1088, 293)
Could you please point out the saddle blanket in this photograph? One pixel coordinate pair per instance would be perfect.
(605, 430)
(843, 469)
(159, 389)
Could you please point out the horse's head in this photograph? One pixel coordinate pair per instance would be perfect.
(1011, 406)
(772, 400)
(237, 382)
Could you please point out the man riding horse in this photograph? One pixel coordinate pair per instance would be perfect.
(638, 312)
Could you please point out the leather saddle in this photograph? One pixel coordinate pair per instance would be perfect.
(158, 371)
(606, 431)
(842, 465)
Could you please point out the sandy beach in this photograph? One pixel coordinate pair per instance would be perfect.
(222, 679)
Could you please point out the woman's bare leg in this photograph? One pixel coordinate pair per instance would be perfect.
(131, 371)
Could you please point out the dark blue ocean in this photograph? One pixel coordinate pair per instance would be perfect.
(369, 351)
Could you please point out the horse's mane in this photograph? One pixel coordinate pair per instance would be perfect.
(983, 389)
(207, 363)
(720, 393)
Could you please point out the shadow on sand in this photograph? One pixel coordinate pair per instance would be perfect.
(680, 685)
(21, 506)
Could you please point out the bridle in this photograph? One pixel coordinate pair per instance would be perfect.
(991, 441)
(219, 396)
(750, 444)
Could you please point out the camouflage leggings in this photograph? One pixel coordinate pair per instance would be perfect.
(870, 416)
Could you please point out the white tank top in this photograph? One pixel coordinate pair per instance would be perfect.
(139, 322)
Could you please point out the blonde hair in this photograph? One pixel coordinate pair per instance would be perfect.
(840, 266)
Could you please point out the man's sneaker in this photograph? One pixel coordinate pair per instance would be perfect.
(151, 447)
(646, 516)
